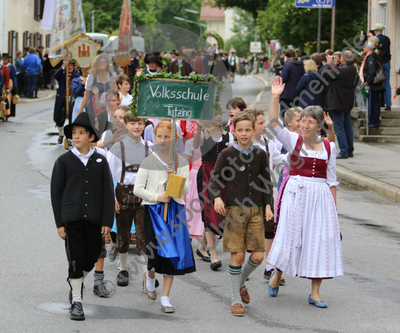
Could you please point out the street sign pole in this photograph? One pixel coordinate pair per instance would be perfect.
(319, 30)
(333, 27)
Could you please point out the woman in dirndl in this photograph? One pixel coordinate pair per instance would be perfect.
(168, 247)
(98, 83)
(211, 142)
(307, 240)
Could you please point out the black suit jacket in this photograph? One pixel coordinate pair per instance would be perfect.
(80, 192)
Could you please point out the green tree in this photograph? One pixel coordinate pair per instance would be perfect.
(299, 26)
(108, 14)
(244, 28)
(250, 6)
(165, 10)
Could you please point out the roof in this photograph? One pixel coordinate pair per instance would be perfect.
(209, 13)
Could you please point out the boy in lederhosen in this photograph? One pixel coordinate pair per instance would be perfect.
(124, 160)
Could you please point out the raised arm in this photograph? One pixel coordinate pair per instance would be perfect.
(197, 136)
(331, 129)
(277, 87)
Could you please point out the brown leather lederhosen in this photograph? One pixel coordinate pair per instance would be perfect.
(130, 208)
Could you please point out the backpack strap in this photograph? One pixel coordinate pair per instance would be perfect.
(146, 148)
(123, 161)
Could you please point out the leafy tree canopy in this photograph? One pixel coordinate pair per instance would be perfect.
(244, 28)
(108, 14)
(250, 6)
(299, 26)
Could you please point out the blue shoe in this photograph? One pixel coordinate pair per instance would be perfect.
(273, 291)
(318, 304)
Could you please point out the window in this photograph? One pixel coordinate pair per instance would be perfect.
(26, 42)
(382, 13)
(12, 44)
(37, 40)
(38, 9)
(48, 40)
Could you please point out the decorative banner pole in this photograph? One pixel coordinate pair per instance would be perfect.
(66, 147)
(171, 160)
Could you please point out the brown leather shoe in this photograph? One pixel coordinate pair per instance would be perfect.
(244, 294)
(237, 309)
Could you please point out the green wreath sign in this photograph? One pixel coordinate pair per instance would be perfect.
(161, 93)
(212, 33)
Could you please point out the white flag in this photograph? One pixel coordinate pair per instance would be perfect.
(48, 15)
(68, 24)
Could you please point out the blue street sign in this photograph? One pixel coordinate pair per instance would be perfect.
(315, 3)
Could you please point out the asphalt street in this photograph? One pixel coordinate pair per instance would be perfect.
(33, 265)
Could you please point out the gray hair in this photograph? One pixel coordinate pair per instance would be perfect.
(371, 45)
(314, 111)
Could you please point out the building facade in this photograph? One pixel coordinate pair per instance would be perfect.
(20, 26)
(219, 20)
(388, 13)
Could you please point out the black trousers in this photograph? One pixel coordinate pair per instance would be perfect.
(83, 245)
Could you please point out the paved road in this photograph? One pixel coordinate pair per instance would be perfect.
(33, 264)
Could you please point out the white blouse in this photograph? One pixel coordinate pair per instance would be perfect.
(289, 140)
(152, 176)
(275, 156)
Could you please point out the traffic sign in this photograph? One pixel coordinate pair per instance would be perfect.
(315, 3)
(255, 47)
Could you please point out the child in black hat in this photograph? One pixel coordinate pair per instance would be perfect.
(82, 196)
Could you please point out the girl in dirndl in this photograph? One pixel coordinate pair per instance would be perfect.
(168, 247)
(211, 142)
(307, 240)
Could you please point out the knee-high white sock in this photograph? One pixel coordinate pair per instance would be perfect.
(76, 285)
(235, 273)
(123, 260)
(247, 269)
(61, 130)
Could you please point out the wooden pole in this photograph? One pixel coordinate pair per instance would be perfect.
(171, 150)
(66, 105)
(333, 27)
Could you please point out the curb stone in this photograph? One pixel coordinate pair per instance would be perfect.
(25, 100)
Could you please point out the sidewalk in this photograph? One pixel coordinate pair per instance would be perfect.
(42, 94)
(375, 167)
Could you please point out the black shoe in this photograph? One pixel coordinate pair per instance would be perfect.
(388, 109)
(215, 265)
(77, 312)
(341, 157)
(123, 278)
(373, 126)
(351, 155)
(101, 290)
(60, 139)
(205, 258)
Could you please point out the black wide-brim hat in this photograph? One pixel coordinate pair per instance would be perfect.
(5, 56)
(85, 120)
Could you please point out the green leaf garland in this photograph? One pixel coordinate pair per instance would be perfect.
(191, 78)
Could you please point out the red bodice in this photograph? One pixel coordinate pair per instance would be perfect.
(308, 166)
